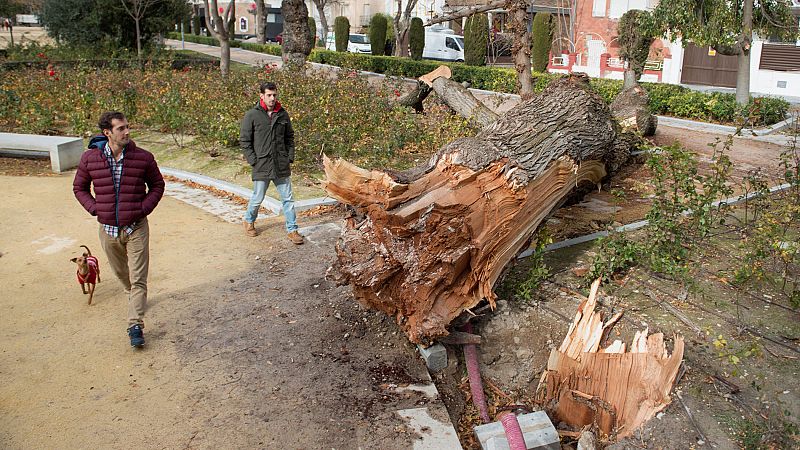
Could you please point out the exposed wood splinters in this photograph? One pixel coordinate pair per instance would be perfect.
(615, 389)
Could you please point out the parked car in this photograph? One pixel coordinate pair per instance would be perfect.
(443, 46)
(357, 43)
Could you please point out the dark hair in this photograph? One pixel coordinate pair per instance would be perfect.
(105, 119)
(267, 85)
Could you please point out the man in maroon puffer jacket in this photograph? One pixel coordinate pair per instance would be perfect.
(127, 187)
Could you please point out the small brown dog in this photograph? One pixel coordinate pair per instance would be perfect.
(88, 272)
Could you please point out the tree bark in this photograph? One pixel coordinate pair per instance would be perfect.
(463, 102)
(745, 40)
(261, 22)
(428, 243)
(414, 98)
(631, 78)
(630, 108)
(466, 12)
(297, 43)
(521, 47)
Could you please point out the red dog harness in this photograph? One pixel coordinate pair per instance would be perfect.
(91, 276)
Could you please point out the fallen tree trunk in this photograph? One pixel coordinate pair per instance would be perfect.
(631, 109)
(431, 242)
(611, 388)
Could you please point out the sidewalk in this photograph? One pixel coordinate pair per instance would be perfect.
(248, 346)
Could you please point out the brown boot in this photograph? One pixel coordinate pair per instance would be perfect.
(296, 237)
(250, 229)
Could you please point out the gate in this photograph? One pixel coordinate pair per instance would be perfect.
(700, 68)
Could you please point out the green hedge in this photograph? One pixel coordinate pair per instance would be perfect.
(666, 99)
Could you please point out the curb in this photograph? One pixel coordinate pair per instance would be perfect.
(675, 122)
(269, 203)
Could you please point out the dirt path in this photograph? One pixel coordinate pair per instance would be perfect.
(247, 345)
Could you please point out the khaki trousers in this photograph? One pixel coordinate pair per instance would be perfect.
(129, 257)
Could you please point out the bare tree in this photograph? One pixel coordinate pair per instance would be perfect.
(218, 26)
(137, 10)
(402, 23)
(261, 22)
(465, 12)
(565, 17)
(323, 20)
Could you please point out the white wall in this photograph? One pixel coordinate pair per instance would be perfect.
(671, 73)
(766, 81)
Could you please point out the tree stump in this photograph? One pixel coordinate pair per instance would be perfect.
(429, 243)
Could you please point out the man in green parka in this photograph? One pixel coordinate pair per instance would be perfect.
(267, 141)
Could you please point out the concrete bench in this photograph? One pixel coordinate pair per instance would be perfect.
(64, 152)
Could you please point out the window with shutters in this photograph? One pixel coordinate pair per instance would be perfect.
(783, 57)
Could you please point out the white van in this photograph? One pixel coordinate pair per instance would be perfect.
(357, 43)
(443, 46)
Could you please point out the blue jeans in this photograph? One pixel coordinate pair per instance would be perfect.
(284, 187)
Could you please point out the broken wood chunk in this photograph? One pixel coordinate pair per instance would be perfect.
(615, 390)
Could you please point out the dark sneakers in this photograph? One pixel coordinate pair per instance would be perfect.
(136, 335)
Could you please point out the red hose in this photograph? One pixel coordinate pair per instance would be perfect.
(475, 383)
(516, 441)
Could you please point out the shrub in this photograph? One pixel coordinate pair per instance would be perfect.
(608, 89)
(416, 38)
(767, 110)
(377, 34)
(541, 36)
(660, 94)
(196, 25)
(476, 38)
(389, 46)
(341, 28)
(312, 32)
(665, 99)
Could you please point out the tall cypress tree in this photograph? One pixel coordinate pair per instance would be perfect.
(377, 34)
(541, 38)
(416, 38)
(476, 38)
(341, 28)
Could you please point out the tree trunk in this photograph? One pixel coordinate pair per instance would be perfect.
(463, 102)
(225, 57)
(296, 40)
(220, 31)
(631, 79)
(138, 41)
(631, 109)
(322, 19)
(521, 48)
(414, 98)
(429, 243)
(743, 58)
(261, 22)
